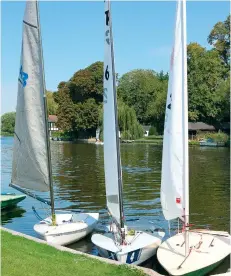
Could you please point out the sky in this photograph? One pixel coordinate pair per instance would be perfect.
(73, 37)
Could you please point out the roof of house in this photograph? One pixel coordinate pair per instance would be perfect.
(200, 126)
(146, 128)
(52, 119)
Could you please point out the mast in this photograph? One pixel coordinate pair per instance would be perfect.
(120, 183)
(46, 121)
(185, 128)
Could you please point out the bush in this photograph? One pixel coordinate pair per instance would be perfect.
(61, 134)
(217, 137)
(152, 131)
(194, 143)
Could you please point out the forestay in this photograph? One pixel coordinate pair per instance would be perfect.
(172, 159)
(30, 161)
(112, 163)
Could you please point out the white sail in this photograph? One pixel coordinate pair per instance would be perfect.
(112, 161)
(172, 199)
(30, 162)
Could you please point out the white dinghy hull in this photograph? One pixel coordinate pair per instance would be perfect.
(139, 249)
(206, 252)
(69, 229)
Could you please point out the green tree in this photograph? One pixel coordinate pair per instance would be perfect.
(219, 38)
(163, 76)
(223, 90)
(156, 110)
(138, 88)
(66, 109)
(52, 105)
(8, 122)
(205, 75)
(128, 124)
(87, 83)
(79, 99)
(87, 114)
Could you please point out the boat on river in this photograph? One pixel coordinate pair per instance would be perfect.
(118, 243)
(32, 168)
(211, 143)
(190, 251)
(9, 200)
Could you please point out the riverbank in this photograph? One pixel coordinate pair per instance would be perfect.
(23, 255)
(158, 140)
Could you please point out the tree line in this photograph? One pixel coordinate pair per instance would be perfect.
(142, 93)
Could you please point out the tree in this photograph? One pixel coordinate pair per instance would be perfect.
(205, 75)
(52, 105)
(219, 38)
(8, 122)
(79, 99)
(156, 110)
(128, 124)
(138, 88)
(224, 104)
(87, 114)
(66, 110)
(87, 83)
(162, 76)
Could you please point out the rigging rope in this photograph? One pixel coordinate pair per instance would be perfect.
(36, 214)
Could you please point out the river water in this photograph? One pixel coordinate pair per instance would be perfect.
(79, 184)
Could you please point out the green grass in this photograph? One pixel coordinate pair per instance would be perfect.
(23, 257)
(193, 143)
(152, 139)
(157, 142)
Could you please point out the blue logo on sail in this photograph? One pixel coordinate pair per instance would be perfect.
(23, 77)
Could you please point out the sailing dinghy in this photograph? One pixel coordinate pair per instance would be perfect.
(9, 200)
(118, 244)
(190, 252)
(31, 168)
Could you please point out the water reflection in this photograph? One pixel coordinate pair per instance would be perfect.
(9, 214)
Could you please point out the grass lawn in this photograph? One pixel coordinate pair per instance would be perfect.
(152, 139)
(158, 140)
(23, 257)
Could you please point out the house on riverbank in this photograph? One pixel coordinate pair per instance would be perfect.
(52, 121)
(146, 130)
(195, 127)
(199, 127)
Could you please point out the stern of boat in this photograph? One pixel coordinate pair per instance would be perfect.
(140, 247)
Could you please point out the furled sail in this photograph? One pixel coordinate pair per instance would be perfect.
(112, 162)
(172, 182)
(30, 157)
